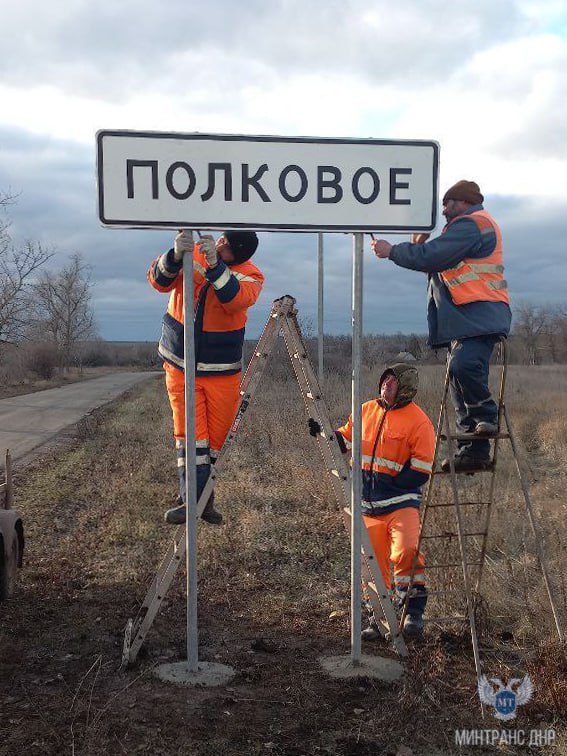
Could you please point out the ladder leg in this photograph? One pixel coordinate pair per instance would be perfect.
(136, 634)
(338, 471)
(488, 511)
(428, 497)
(538, 538)
(462, 549)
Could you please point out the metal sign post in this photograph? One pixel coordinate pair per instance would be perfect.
(321, 283)
(190, 468)
(356, 478)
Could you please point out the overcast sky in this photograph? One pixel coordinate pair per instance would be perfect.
(486, 80)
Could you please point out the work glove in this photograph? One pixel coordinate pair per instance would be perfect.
(208, 248)
(419, 238)
(183, 244)
(314, 427)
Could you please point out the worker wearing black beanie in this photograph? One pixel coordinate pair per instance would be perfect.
(226, 283)
(242, 243)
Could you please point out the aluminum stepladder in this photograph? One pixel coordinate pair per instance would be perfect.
(461, 540)
(282, 319)
(375, 589)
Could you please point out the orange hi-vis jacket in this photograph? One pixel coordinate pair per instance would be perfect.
(478, 279)
(222, 295)
(398, 445)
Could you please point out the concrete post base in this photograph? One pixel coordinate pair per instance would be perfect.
(208, 674)
(377, 667)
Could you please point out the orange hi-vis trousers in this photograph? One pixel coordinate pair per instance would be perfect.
(216, 403)
(394, 537)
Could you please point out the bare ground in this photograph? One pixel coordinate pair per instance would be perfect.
(273, 599)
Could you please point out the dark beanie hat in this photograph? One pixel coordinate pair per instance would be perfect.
(466, 191)
(242, 243)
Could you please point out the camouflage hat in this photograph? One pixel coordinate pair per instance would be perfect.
(408, 380)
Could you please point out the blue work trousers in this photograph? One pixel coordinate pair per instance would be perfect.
(469, 361)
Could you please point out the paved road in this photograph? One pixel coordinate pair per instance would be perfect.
(28, 421)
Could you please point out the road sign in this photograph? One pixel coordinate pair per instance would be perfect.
(208, 181)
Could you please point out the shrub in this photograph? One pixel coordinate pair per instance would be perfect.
(42, 359)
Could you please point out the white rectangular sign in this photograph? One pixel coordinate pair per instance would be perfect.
(222, 181)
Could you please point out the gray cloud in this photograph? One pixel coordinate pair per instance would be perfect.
(115, 50)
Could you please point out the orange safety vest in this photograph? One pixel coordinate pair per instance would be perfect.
(405, 436)
(219, 329)
(474, 279)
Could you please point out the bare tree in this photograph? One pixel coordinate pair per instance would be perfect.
(64, 306)
(557, 332)
(17, 266)
(530, 325)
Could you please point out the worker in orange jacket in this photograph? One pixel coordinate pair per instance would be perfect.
(225, 285)
(398, 444)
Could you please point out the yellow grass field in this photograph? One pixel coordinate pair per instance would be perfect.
(276, 570)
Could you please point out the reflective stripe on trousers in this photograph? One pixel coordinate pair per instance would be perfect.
(216, 402)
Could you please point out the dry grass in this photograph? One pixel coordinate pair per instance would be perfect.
(277, 569)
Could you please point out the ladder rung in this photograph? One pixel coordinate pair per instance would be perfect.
(451, 535)
(461, 504)
(490, 468)
(472, 436)
(445, 619)
(450, 564)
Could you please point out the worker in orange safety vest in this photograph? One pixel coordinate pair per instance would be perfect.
(468, 311)
(398, 443)
(225, 285)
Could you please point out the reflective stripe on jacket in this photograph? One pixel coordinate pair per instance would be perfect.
(397, 455)
(474, 279)
(461, 239)
(221, 297)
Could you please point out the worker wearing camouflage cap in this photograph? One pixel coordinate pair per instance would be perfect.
(398, 443)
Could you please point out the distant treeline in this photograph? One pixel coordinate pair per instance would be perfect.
(539, 337)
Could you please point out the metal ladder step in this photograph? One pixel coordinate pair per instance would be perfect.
(452, 535)
(488, 469)
(440, 620)
(472, 436)
(452, 564)
(461, 504)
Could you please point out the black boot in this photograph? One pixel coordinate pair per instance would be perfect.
(413, 623)
(176, 515)
(210, 514)
(371, 633)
